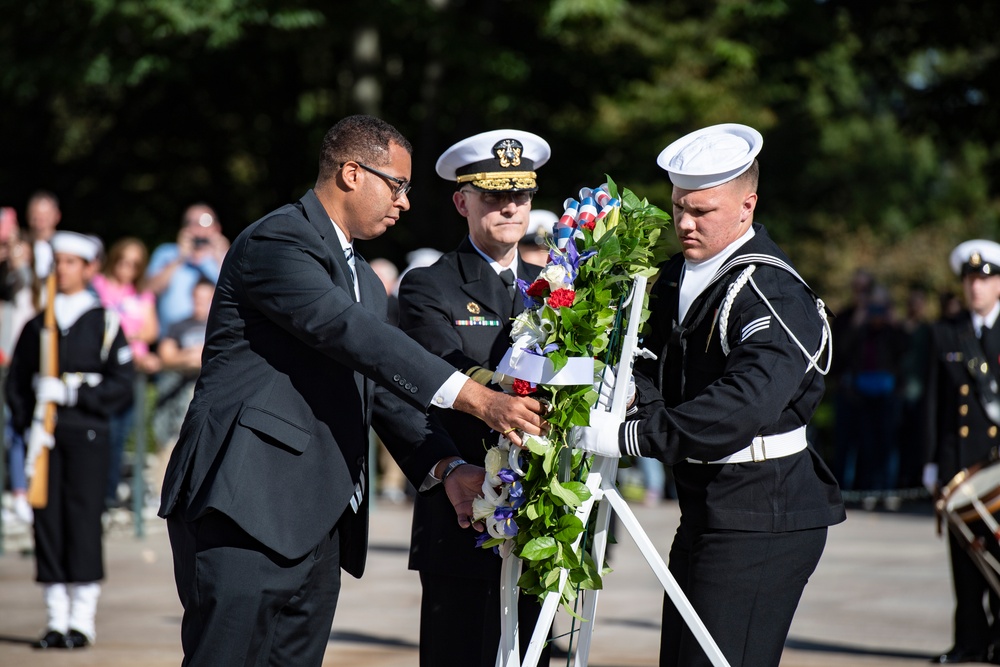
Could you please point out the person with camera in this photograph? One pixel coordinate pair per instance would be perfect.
(175, 268)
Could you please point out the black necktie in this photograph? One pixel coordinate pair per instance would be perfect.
(349, 254)
(507, 276)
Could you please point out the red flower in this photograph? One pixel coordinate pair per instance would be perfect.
(562, 297)
(589, 225)
(538, 288)
(523, 387)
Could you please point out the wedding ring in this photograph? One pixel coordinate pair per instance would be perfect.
(510, 430)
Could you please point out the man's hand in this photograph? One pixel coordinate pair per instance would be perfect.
(463, 485)
(601, 437)
(503, 413)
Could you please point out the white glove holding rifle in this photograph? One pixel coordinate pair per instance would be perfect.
(38, 438)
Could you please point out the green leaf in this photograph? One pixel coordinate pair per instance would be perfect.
(539, 548)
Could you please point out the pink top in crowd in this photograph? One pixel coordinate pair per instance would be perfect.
(130, 305)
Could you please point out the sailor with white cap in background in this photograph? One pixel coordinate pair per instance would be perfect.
(963, 417)
(742, 345)
(461, 308)
(94, 381)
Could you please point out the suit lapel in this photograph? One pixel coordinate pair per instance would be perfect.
(321, 221)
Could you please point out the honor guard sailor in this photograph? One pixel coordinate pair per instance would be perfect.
(742, 345)
(460, 309)
(92, 382)
(963, 411)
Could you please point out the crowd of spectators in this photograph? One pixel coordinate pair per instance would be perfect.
(161, 300)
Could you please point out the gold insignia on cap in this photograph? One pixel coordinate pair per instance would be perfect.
(508, 151)
(473, 307)
(976, 259)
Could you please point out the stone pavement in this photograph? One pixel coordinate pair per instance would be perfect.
(880, 598)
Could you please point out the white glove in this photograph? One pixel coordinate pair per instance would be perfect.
(605, 387)
(601, 437)
(505, 382)
(38, 438)
(930, 477)
(54, 390)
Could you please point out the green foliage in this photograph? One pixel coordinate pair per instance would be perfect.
(625, 243)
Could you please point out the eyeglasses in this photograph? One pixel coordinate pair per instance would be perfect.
(501, 198)
(402, 185)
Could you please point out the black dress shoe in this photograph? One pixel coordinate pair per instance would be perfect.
(51, 639)
(954, 657)
(75, 639)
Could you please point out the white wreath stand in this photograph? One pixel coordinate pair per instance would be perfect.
(601, 483)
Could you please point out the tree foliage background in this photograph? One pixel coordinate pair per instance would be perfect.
(882, 146)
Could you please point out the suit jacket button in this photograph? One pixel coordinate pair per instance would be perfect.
(407, 386)
(413, 390)
(395, 377)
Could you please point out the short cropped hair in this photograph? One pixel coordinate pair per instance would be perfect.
(361, 138)
(750, 177)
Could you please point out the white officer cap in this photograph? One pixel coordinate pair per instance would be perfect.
(71, 243)
(496, 161)
(711, 156)
(976, 256)
(540, 224)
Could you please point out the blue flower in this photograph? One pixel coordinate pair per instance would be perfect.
(517, 494)
(481, 539)
(522, 287)
(507, 475)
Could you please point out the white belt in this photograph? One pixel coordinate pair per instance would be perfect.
(76, 380)
(765, 447)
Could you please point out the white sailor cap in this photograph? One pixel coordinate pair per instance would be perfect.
(540, 225)
(976, 256)
(81, 245)
(496, 161)
(711, 156)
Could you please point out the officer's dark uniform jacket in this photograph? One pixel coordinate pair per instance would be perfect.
(460, 310)
(714, 404)
(960, 433)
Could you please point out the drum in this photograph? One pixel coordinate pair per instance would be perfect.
(973, 494)
(970, 502)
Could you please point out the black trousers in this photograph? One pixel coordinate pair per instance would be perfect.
(974, 631)
(460, 621)
(745, 587)
(68, 529)
(244, 604)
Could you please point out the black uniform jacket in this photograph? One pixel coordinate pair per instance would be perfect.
(713, 404)
(79, 352)
(277, 433)
(960, 434)
(460, 310)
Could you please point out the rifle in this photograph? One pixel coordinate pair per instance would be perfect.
(38, 489)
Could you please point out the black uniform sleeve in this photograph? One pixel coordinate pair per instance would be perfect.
(763, 379)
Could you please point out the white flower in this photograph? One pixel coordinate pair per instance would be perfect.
(556, 276)
(527, 330)
(495, 460)
(482, 508)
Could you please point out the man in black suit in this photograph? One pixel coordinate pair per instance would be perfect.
(265, 493)
(741, 344)
(963, 412)
(460, 309)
